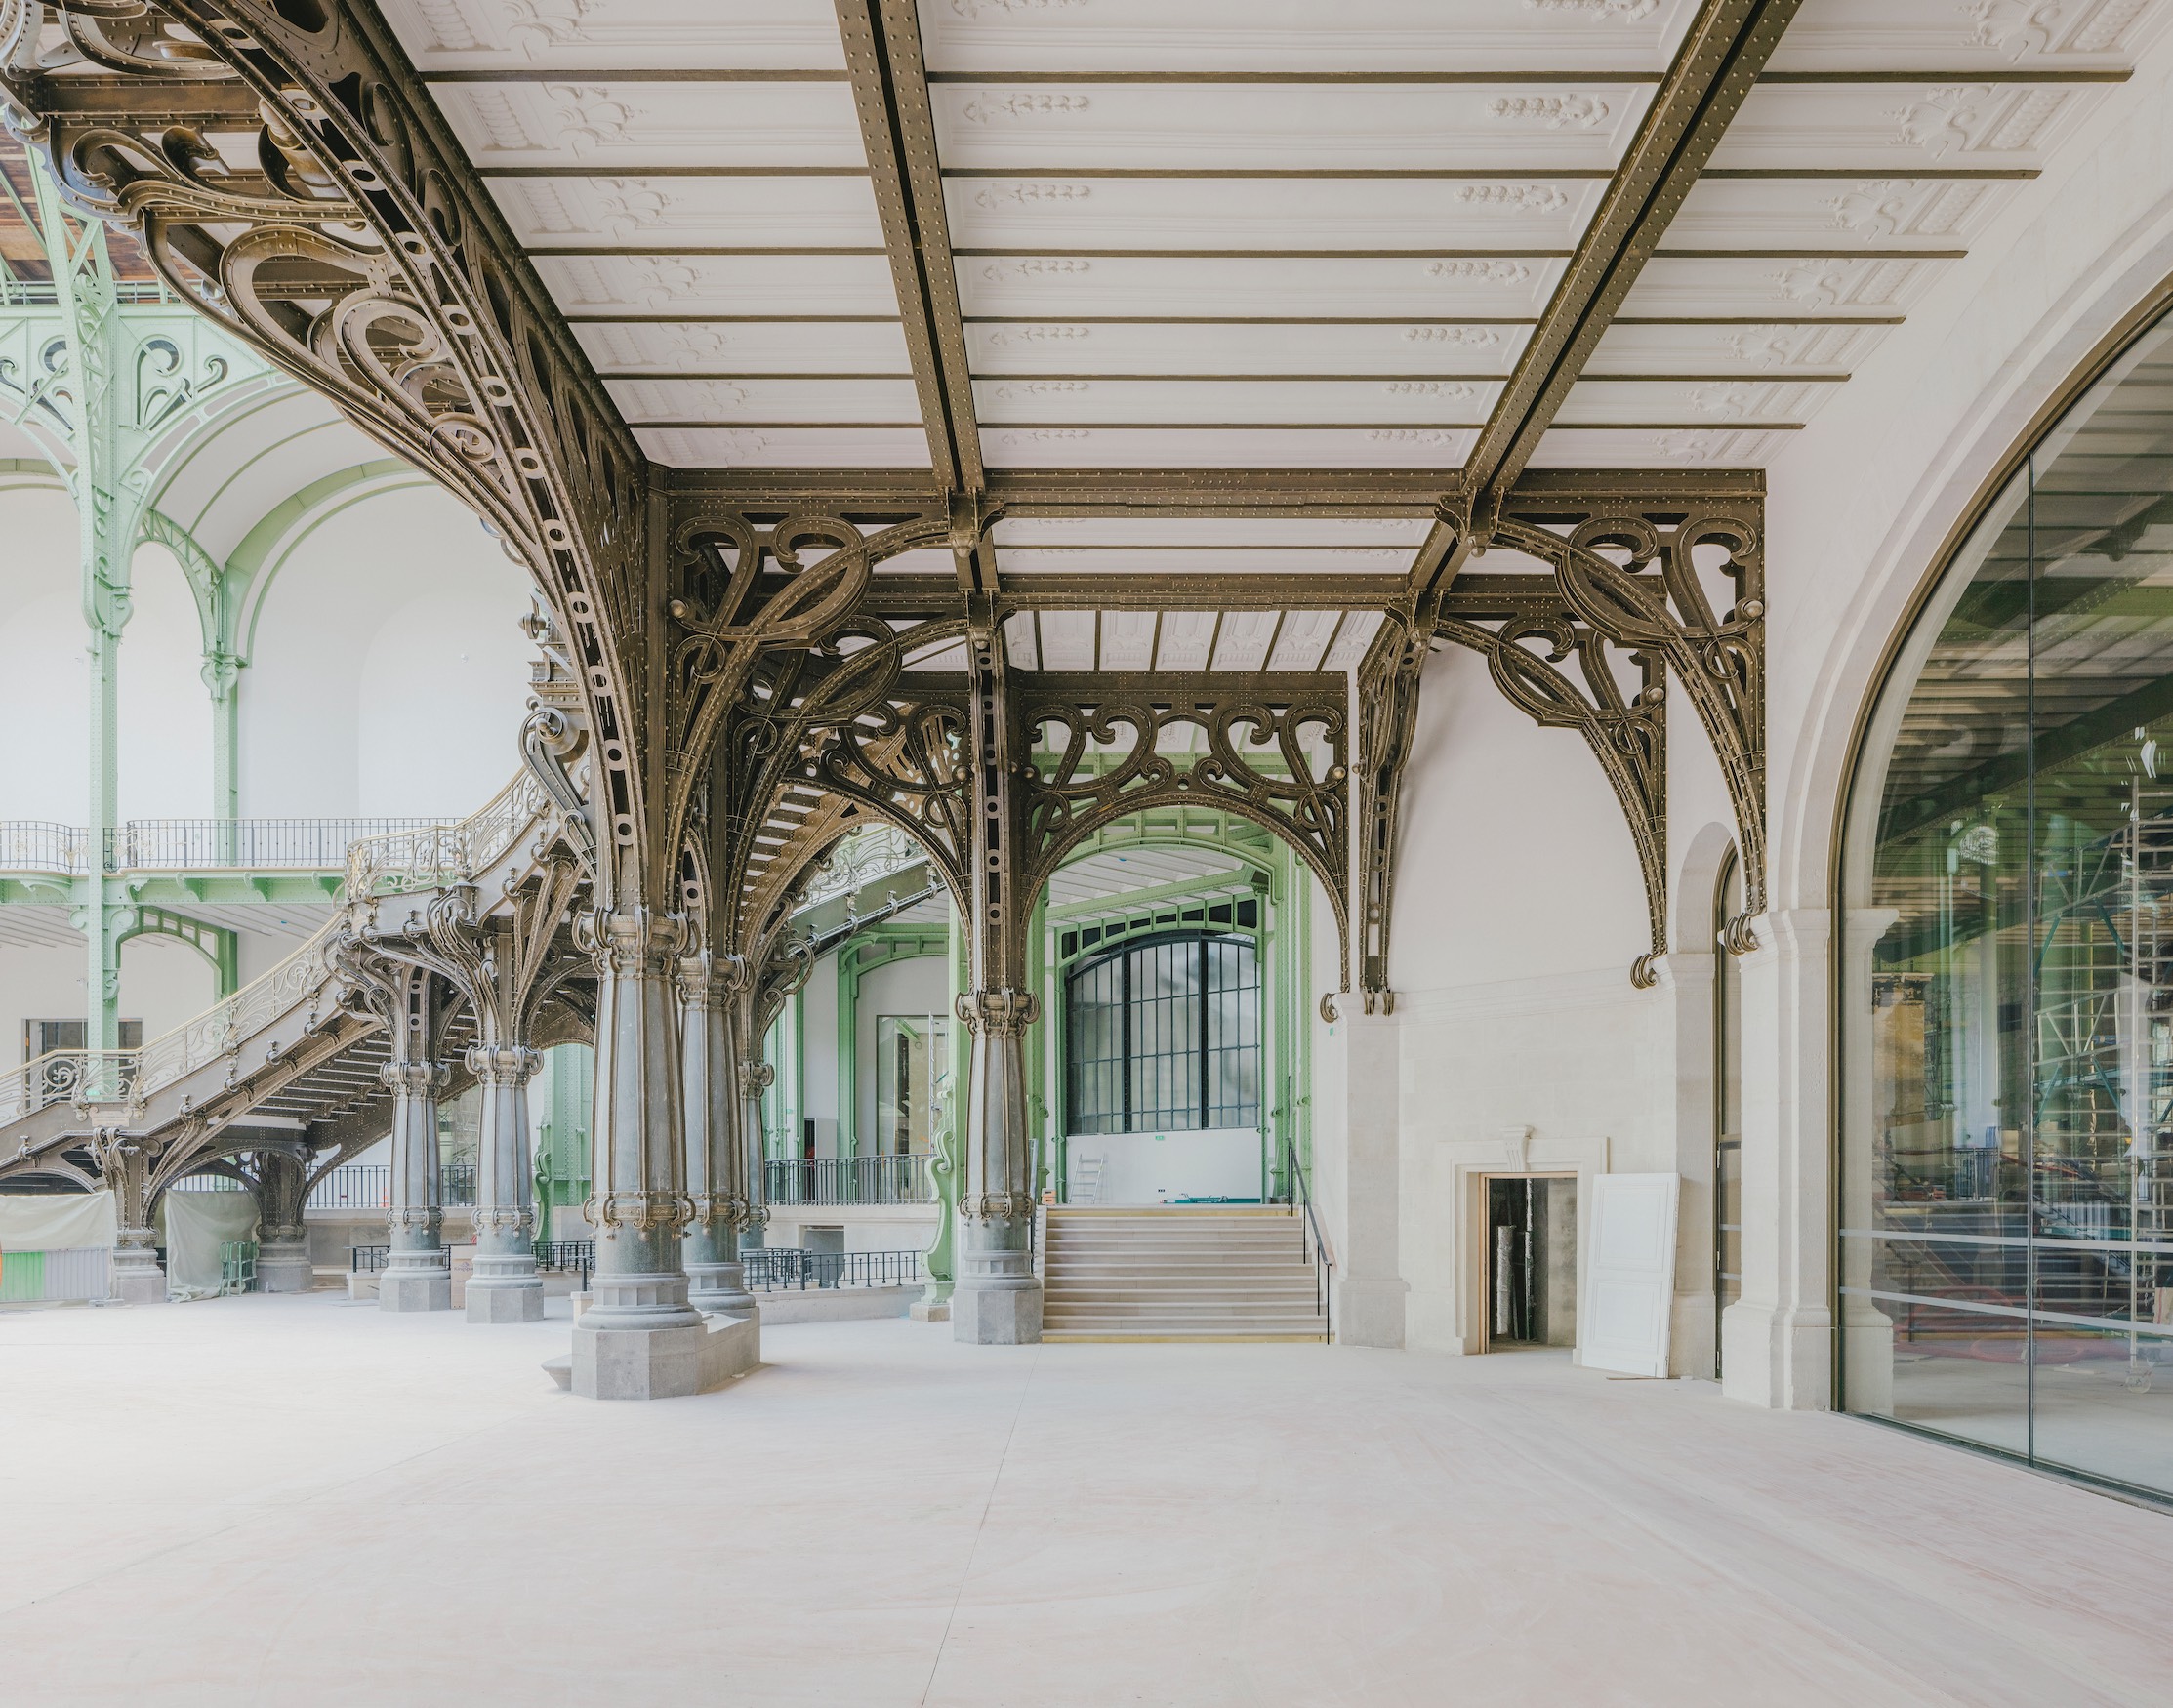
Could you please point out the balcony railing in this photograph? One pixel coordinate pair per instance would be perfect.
(850, 1180)
(354, 1185)
(195, 844)
(771, 1268)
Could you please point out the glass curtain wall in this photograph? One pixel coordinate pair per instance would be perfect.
(1165, 1035)
(2006, 1240)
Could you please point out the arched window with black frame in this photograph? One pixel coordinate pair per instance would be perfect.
(1164, 1035)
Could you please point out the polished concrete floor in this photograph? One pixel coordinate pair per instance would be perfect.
(303, 1502)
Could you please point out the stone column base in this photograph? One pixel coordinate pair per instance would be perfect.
(504, 1301)
(663, 1364)
(139, 1285)
(930, 1311)
(1009, 1315)
(1370, 1312)
(712, 1287)
(415, 1289)
(284, 1269)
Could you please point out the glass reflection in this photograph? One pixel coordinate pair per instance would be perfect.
(2006, 1204)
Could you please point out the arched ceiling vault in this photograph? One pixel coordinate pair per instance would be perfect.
(1187, 342)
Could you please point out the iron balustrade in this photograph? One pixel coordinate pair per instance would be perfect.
(367, 1259)
(773, 1269)
(353, 1185)
(455, 1186)
(567, 1256)
(195, 844)
(1300, 1197)
(850, 1180)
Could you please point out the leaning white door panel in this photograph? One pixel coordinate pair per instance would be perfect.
(1630, 1274)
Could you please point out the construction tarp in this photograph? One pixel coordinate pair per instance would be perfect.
(56, 1221)
(196, 1225)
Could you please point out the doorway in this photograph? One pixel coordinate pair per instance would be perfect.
(1530, 1261)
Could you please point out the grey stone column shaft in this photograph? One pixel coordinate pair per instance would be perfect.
(640, 1338)
(709, 1055)
(416, 1275)
(504, 1287)
(138, 1279)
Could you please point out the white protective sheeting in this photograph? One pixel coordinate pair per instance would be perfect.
(56, 1221)
(196, 1225)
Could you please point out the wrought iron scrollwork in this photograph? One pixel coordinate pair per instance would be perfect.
(295, 186)
(1718, 657)
(1275, 757)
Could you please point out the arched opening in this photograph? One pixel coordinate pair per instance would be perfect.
(2006, 1147)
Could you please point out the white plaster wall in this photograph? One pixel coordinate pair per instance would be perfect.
(388, 673)
(818, 1043)
(165, 722)
(163, 982)
(45, 755)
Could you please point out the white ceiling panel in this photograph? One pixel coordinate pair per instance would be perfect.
(1364, 402)
(1658, 448)
(1245, 638)
(739, 284)
(443, 35)
(630, 126)
(1429, 347)
(1736, 286)
(1512, 128)
(756, 213)
(1128, 640)
(1109, 876)
(1697, 403)
(1022, 642)
(659, 347)
(1890, 128)
(1352, 36)
(1303, 639)
(1187, 640)
(1348, 650)
(924, 560)
(785, 448)
(1067, 640)
(1966, 35)
(1046, 212)
(1196, 531)
(1719, 352)
(1052, 287)
(1232, 560)
(883, 402)
(1845, 214)
(1226, 448)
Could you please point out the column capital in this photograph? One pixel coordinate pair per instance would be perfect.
(631, 942)
(413, 1079)
(506, 1065)
(998, 1013)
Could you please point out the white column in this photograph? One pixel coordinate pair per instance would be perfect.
(1358, 1175)
(1687, 976)
(1778, 1338)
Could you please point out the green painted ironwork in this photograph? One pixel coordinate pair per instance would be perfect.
(237, 1266)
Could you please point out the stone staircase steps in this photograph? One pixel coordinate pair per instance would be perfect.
(1180, 1274)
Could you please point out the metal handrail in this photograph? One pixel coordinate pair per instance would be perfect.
(771, 1268)
(302, 845)
(1311, 1239)
(848, 1180)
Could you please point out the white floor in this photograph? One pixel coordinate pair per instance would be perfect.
(303, 1502)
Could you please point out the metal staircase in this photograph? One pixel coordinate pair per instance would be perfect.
(1205, 1274)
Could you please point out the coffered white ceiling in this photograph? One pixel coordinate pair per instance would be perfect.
(1242, 233)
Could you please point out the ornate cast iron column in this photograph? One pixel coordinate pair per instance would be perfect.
(416, 1276)
(282, 1238)
(640, 1338)
(717, 1162)
(756, 1077)
(125, 1171)
(998, 1298)
(504, 1287)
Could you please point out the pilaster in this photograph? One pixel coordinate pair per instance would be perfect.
(1777, 1340)
(1358, 1175)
